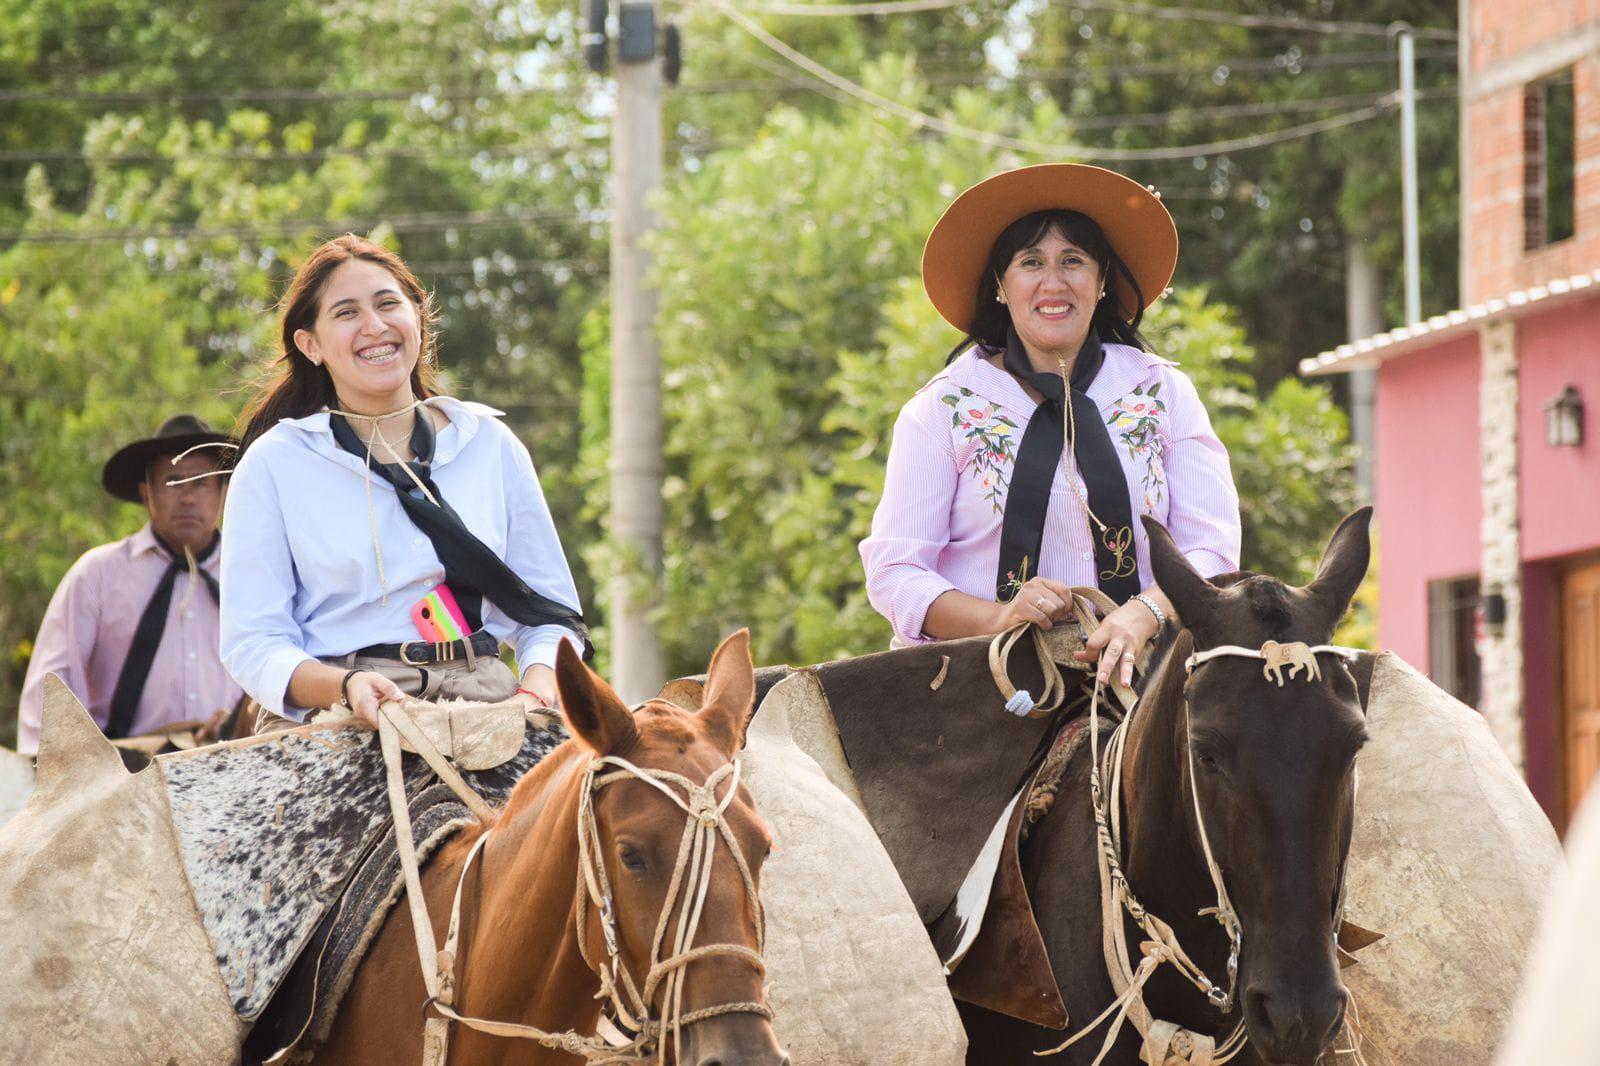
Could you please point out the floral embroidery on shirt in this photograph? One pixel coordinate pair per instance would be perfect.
(1135, 419)
(980, 421)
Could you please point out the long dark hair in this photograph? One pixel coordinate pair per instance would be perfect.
(302, 387)
(1115, 323)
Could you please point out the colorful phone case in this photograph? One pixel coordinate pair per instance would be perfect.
(438, 617)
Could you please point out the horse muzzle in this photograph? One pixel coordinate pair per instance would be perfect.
(1293, 1025)
(732, 1040)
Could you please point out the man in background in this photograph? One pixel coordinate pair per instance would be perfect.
(132, 628)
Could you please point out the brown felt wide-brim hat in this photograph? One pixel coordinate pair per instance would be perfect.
(124, 472)
(1132, 217)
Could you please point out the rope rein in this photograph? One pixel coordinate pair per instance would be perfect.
(691, 879)
(1164, 1043)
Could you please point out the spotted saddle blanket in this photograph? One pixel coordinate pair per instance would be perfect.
(271, 829)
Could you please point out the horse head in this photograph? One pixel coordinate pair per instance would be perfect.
(1270, 767)
(676, 847)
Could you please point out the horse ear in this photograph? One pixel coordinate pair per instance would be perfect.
(595, 713)
(1344, 564)
(1191, 594)
(730, 693)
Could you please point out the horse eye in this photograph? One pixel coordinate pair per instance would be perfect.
(631, 857)
(1205, 760)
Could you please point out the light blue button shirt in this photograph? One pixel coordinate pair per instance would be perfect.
(300, 577)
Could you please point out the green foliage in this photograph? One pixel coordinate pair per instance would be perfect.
(1289, 449)
(790, 348)
(792, 324)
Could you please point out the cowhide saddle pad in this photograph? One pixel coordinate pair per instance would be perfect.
(300, 1015)
(271, 829)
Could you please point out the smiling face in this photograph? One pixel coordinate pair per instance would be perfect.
(1051, 288)
(368, 334)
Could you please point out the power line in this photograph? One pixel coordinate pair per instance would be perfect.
(422, 268)
(1276, 22)
(405, 223)
(272, 94)
(924, 120)
(888, 7)
(1281, 107)
(509, 152)
(1190, 14)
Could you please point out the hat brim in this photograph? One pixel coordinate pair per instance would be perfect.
(124, 472)
(1134, 220)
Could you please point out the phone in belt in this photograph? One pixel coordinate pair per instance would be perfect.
(439, 618)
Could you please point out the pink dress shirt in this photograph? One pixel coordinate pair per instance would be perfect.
(937, 527)
(88, 628)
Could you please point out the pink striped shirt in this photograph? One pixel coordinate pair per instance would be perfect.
(88, 629)
(937, 527)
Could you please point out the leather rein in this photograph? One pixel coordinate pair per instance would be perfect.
(691, 880)
(1164, 1043)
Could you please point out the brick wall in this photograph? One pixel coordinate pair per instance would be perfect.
(1508, 45)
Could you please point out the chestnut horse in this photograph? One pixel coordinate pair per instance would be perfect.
(1271, 767)
(532, 946)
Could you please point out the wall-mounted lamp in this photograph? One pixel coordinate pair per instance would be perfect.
(1563, 419)
(1494, 613)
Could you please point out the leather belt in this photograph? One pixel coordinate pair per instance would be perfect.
(427, 652)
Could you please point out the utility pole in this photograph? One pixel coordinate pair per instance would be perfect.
(638, 664)
(1408, 169)
(1363, 316)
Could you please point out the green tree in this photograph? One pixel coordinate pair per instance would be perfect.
(790, 348)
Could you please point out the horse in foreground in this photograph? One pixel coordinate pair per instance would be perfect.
(588, 889)
(1236, 805)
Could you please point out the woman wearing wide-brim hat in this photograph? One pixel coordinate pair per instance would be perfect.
(999, 494)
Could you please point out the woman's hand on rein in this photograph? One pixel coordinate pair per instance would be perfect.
(1118, 640)
(367, 690)
(1040, 601)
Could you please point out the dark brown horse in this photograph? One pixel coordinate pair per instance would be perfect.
(524, 957)
(1274, 776)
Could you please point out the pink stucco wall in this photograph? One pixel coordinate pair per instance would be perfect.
(1427, 485)
(1560, 486)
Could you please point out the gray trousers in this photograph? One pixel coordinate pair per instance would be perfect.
(479, 678)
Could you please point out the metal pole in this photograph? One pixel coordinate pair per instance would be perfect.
(1408, 171)
(638, 665)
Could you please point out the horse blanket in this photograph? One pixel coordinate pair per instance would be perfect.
(191, 887)
(1448, 862)
(851, 975)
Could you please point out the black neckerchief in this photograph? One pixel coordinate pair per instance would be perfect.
(1039, 453)
(470, 566)
(147, 635)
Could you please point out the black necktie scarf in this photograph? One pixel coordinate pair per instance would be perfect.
(471, 568)
(147, 636)
(1038, 455)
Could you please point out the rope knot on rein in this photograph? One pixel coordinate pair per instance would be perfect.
(685, 896)
(1165, 1043)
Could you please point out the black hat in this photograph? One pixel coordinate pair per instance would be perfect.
(124, 472)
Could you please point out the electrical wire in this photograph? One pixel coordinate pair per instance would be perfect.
(923, 120)
(1165, 11)
(403, 223)
(887, 7)
(1276, 22)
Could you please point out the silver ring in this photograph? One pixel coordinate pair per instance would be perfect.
(1042, 604)
(1128, 657)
